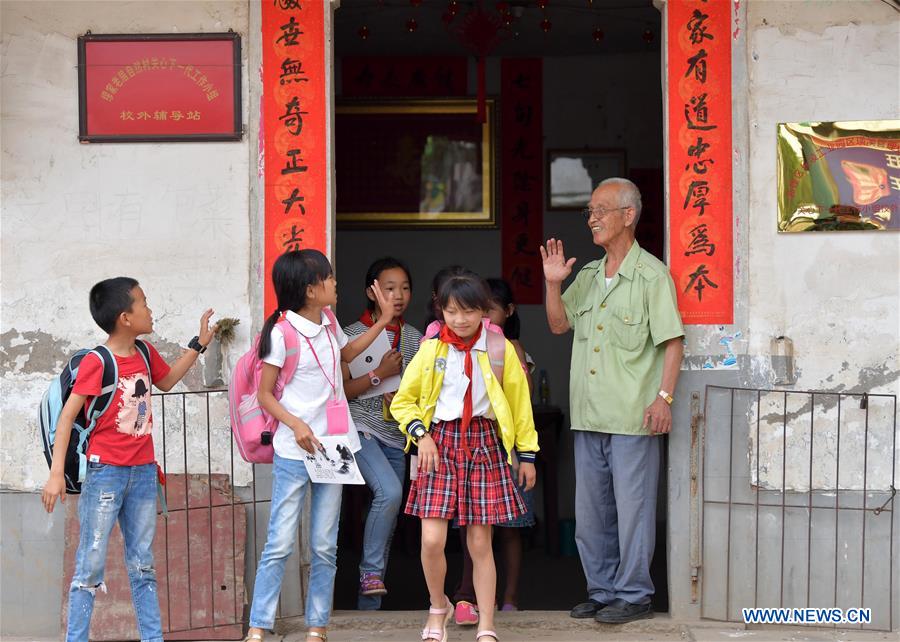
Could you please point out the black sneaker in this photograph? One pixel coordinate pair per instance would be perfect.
(586, 609)
(620, 611)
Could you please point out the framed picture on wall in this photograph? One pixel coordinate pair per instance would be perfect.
(414, 164)
(574, 173)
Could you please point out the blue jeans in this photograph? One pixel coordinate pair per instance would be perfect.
(382, 467)
(289, 487)
(126, 494)
(616, 477)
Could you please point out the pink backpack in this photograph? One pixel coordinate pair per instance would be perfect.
(254, 428)
(496, 344)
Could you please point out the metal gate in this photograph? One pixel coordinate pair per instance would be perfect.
(218, 509)
(797, 499)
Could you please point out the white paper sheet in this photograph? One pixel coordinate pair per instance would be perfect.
(368, 360)
(337, 465)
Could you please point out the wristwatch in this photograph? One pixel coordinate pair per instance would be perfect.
(666, 397)
(417, 429)
(195, 344)
(374, 379)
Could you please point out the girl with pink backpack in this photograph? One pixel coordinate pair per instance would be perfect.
(312, 404)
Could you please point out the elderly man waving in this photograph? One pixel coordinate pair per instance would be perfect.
(626, 355)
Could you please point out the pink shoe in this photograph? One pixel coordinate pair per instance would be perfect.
(466, 613)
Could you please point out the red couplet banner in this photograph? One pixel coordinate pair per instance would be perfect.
(521, 163)
(294, 139)
(701, 255)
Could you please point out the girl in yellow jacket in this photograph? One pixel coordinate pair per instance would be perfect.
(465, 423)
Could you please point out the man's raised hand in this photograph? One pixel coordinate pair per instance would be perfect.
(556, 267)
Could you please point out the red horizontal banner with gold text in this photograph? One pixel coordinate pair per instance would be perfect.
(701, 255)
(294, 109)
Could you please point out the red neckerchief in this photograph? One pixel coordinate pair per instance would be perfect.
(368, 321)
(449, 337)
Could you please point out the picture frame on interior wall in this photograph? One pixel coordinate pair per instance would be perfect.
(414, 164)
(138, 88)
(573, 174)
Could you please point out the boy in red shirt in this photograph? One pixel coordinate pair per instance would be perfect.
(122, 474)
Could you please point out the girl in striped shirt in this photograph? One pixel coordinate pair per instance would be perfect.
(381, 459)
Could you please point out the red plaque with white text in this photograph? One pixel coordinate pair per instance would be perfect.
(159, 87)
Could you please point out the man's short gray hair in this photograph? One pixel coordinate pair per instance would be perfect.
(629, 195)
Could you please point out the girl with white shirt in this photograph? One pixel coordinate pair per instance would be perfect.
(312, 405)
(459, 413)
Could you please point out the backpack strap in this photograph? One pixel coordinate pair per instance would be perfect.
(109, 381)
(291, 351)
(333, 326)
(145, 353)
(496, 348)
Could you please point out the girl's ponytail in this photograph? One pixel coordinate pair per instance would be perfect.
(292, 273)
(265, 337)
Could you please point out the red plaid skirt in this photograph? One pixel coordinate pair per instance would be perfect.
(477, 489)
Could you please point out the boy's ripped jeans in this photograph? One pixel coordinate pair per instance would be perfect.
(126, 494)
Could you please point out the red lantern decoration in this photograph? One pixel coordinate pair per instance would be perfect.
(453, 7)
(546, 25)
(363, 33)
(502, 7)
(411, 25)
(508, 18)
(648, 36)
(598, 35)
(542, 4)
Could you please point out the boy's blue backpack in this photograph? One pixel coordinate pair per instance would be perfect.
(55, 398)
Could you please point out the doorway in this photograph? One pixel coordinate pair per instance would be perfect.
(602, 91)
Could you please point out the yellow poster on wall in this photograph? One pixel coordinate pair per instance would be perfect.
(839, 176)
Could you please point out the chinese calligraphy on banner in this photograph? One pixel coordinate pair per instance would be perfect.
(522, 157)
(294, 138)
(393, 76)
(700, 202)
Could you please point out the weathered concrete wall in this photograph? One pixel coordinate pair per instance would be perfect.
(174, 215)
(835, 295)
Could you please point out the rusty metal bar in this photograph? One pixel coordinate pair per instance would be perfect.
(187, 504)
(166, 497)
(209, 495)
(756, 503)
(862, 571)
(837, 492)
(891, 540)
(696, 419)
(730, 478)
(234, 582)
(809, 496)
(778, 505)
(783, 489)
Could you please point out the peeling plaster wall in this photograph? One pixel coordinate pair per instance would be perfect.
(835, 295)
(174, 215)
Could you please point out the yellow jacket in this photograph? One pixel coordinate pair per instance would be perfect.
(511, 402)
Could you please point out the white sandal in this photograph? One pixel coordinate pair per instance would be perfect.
(317, 634)
(253, 636)
(486, 634)
(439, 634)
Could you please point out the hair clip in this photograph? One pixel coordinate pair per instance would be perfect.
(282, 315)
